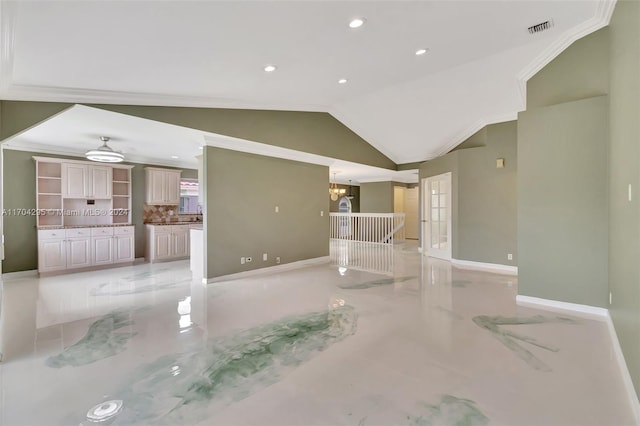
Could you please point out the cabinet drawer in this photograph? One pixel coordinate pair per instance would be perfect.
(77, 232)
(123, 230)
(50, 234)
(160, 229)
(96, 232)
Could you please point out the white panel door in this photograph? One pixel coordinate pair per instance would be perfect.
(74, 179)
(172, 187)
(162, 245)
(437, 211)
(78, 252)
(102, 250)
(180, 242)
(100, 182)
(52, 255)
(124, 248)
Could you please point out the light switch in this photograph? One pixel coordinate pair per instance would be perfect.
(499, 163)
(277, 209)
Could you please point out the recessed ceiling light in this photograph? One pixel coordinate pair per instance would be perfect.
(356, 23)
(175, 157)
(270, 68)
(420, 52)
(342, 81)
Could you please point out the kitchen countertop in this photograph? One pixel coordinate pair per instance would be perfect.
(174, 223)
(82, 226)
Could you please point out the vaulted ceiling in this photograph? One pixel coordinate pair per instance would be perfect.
(212, 53)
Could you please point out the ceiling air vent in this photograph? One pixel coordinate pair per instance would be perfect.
(542, 26)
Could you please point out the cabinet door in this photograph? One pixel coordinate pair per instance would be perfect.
(102, 250)
(100, 182)
(180, 243)
(52, 255)
(78, 252)
(74, 180)
(162, 246)
(124, 248)
(172, 191)
(155, 187)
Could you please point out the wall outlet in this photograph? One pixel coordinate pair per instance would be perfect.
(264, 257)
(509, 256)
(249, 259)
(629, 194)
(242, 260)
(321, 212)
(277, 209)
(610, 298)
(277, 260)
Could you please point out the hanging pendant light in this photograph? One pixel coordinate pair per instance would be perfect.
(334, 191)
(104, 154)
(350, 194)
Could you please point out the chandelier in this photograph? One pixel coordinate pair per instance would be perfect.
(334, 191)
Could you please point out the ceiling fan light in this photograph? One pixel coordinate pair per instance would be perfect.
(104, 154)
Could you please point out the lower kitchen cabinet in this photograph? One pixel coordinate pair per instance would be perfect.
(82, 248)
(167, 242)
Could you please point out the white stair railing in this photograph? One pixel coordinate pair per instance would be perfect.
(381, 228)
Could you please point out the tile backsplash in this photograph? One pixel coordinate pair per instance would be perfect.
(166, 214)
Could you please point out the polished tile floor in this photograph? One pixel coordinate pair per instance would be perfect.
(377, 337)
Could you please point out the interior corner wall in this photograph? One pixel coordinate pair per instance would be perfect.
(487, 201)
(242, 193)
(562, 202)
(376, 197)
(624, 170)
(579, 72)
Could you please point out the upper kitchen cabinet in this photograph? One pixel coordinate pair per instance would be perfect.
(163, 186)
(86, 181)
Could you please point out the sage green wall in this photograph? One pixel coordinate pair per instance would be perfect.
(21, 237)
(484, 201)
(313, 132)
(581, 71)
(376, 197)
(562, 202)
(624, 169)
(487, 210)
(242, 191)
(437, 166)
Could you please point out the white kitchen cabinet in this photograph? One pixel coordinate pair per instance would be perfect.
(52, 251)
(102, 245)
(124, 244)
(78, 252)
(180, 240)
(167, 242)
(163, 186)
(86, 181)
(83, 248)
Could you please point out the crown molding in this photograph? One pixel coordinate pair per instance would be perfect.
(43, 93)
(53, 150)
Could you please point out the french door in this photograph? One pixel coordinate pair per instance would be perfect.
(437, 216)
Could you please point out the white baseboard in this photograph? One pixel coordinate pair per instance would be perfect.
(268, 270)
(603, 315)
(537, 302)
(20, 274)
(626, 376)
(492, 267)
